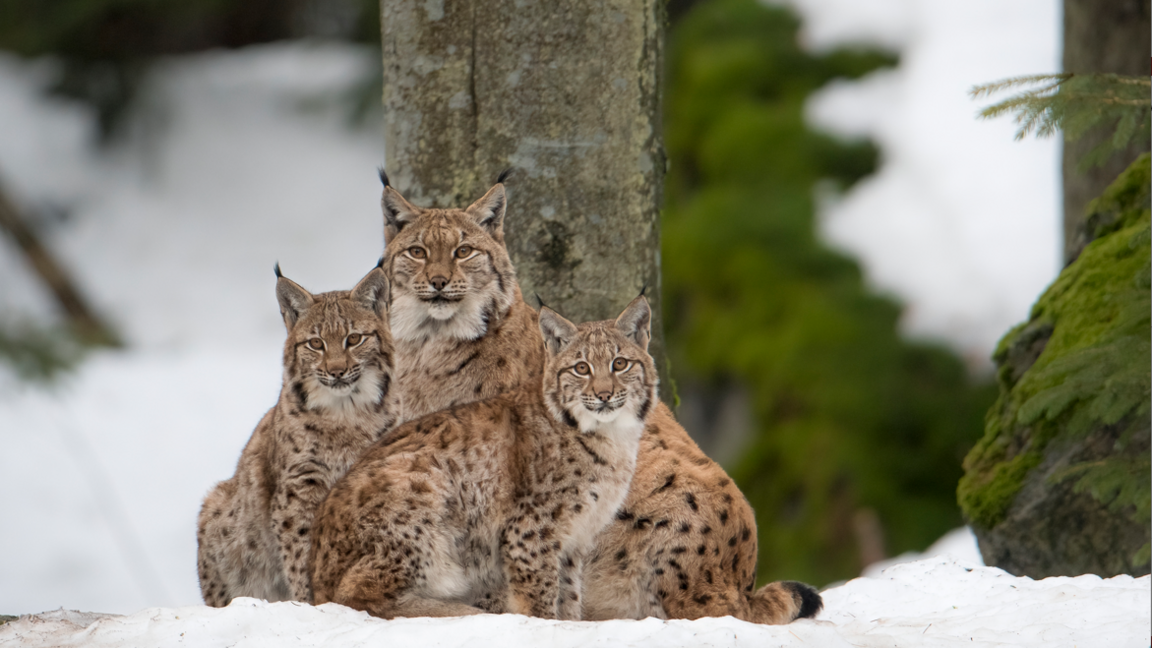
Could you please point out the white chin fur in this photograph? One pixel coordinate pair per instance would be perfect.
(362, 394)
(621, 420)
(415, 320)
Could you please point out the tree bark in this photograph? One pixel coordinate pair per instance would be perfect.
(565, 92)
(1099, 36)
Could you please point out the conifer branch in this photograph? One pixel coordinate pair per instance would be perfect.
(1075, 104)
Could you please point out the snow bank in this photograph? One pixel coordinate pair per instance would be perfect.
(929, 603)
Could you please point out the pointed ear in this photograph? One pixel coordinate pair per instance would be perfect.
(489, 211)
(372, 292)
(397, 213)
(557, 331)
(636, 322)
(294, 300)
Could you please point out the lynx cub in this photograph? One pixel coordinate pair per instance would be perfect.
(462, 329)
(492, 506)
(253, 530)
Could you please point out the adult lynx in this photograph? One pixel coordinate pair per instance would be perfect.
(253, 531)
(491, 506)
(462, 329)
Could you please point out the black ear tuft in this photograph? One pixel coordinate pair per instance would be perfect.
(644, 290)
(380, 263)
(504, 175)
(277, 270)
(383, 176)
(539, 302)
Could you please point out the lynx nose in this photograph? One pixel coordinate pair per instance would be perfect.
(337, 373)
(438, 282)
(604, 396)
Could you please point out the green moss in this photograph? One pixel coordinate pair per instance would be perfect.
(986, 496)
(1091, 372)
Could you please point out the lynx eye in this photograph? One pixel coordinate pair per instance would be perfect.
(353, 340)
(581, 369)
(619, 364)
(316, 343)
(463, 251)
(417, 252)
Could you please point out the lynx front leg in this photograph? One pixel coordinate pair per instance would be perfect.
(571, 595)
(292, 517)
(532, 568)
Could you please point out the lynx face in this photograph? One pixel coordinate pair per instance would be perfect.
(599, 372)
(450, 272)
(339, 350)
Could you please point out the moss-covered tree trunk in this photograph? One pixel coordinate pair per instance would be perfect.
(1099, 36)
(1061, 482)
(566, 92)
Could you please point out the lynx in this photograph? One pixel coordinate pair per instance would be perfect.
(492, 506)
(253, 530)
(649, 561)
(683, 546)
(461, 327)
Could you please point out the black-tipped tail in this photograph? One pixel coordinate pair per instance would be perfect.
(277, 270)
(810, 600)
(383, 176)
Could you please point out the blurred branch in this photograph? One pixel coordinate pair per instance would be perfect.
(89, 328)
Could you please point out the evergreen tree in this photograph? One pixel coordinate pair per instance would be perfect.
(852, 423)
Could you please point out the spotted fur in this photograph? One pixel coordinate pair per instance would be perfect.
(462, 329)
(492, 506)
(716, 582)
(254, 529)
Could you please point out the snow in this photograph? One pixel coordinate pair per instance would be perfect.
(936, 602)
(961, 222)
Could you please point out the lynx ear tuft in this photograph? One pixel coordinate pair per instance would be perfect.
(380, 263)
(636, 322)
(372, 291)
(558, 332)
(488, 212)
(398, 212)
(504, 175)
(294, 300)
(277, 270)
(383, 176)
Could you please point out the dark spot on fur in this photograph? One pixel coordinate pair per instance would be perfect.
(624, 515)
(622, 554)
(702, 599)
(685, 527)
(724, 517)
(461, 366)
(661, 523)
(691, 499)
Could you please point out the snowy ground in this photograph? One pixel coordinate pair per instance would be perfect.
(173, 236)
(939, 602)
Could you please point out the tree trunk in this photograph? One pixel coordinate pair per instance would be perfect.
(567, 93)
(1099, 36)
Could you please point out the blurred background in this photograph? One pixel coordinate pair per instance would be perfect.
(843, 244)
